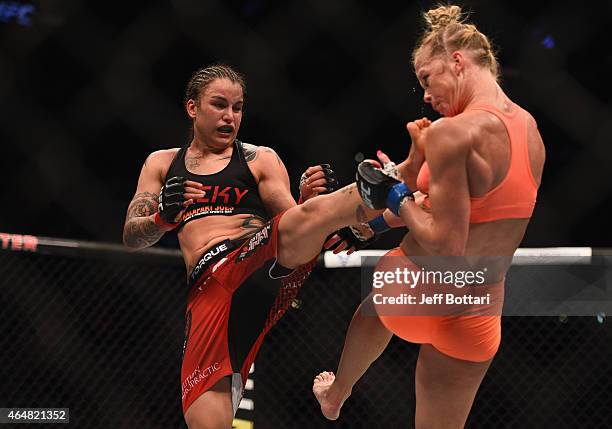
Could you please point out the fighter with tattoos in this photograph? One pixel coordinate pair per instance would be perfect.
(247, 245)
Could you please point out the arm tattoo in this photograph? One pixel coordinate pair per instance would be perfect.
(143, 204)
(250, 152)
(349, 189)
(139, 230)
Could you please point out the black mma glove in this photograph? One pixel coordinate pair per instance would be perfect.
(354, 238)
(330, 178)
(171, 199)
(379, 189)
(306, 189)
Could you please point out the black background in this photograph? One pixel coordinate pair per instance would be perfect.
(91, 88)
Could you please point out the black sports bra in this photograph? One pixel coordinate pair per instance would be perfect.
(230, 191)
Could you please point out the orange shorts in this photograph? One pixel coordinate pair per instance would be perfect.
(473, 338)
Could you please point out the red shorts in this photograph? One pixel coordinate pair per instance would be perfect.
(231, 307)
(473, 338)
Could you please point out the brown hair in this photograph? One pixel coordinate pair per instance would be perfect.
(203, 77)
(446, 32)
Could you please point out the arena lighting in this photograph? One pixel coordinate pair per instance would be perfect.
(548, 42)
(21, 13)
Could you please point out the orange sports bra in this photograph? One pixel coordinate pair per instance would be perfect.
(515, 196)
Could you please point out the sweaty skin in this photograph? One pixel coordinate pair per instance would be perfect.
(216, 113)
(216, 116)
(468, 153)
(200, 234)
(486, 165)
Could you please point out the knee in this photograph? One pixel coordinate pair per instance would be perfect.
(203, 423)
(301, 220)
(210, 415)
(431, 424)
(195, 424)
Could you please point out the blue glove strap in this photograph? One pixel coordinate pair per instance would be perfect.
(396, 194)
(379, 225)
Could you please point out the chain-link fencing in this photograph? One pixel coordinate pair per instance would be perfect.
(101, 333)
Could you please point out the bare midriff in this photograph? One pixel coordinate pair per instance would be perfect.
(201, 234)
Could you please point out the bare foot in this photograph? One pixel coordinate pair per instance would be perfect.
(320, 388)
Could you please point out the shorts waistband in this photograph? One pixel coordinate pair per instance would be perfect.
(209, 258)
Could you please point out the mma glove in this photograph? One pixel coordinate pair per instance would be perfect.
(171, 199)
(330, 182)
(380, 187)
(354, 237)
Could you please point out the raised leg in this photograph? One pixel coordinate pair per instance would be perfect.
(303, 229)
(366, 339)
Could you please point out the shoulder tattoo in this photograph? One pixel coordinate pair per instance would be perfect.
(267, 149)
(250, 151)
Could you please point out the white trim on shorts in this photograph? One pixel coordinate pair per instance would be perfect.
(237, 391)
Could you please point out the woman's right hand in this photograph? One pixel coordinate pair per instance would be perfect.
(417, 130)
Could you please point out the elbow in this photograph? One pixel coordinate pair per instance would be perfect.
(131, 246)
(446, 250)
(129, 242)
(440, 242)
(447, 246)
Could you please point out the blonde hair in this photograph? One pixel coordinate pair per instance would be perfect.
(446, 32)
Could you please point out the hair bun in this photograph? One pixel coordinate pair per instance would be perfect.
(442, 16)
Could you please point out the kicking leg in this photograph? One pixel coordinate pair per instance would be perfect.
(304, 228)
(365, 329)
